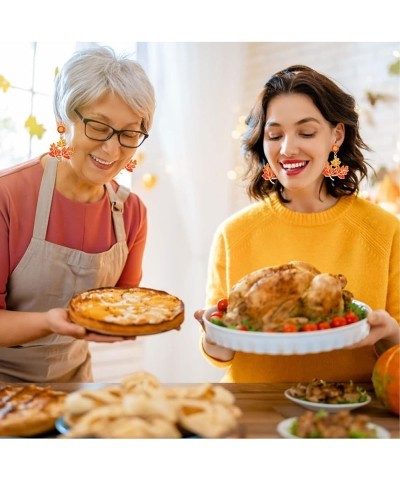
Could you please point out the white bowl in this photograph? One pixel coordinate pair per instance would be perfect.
(284, 429)
(298, 343)
(328, 407)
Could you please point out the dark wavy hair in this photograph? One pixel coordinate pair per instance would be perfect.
(335, 106)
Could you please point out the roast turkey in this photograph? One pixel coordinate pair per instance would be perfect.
(297, 292)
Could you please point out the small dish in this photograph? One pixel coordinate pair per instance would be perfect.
(328, 407)
(298, 343)
(284, 429)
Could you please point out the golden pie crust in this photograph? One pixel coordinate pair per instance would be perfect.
(126, 311)
(29, 410)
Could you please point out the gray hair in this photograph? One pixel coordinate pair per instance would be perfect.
(91, 72)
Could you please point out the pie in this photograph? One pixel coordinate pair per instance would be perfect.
(127, 311)
(28, 410)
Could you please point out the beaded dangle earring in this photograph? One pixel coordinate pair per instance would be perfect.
(60, 150)
(268, 173)
(334, 169)
(131, 165)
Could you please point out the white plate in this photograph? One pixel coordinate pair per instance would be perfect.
(298, 343)
(328, 407)
(284, 429)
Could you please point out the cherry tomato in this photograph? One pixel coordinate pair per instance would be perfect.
(243, 328)
(222, 305)
(338, 322)
(351, 317)
(290, 327)
(323, 326)
(217, 315)
(309, 327)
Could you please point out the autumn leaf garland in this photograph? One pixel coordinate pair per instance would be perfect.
(34, 128)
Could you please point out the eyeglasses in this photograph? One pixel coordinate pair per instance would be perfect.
(102, 132)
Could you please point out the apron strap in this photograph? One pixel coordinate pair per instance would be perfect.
(45, 198)
(117, 200)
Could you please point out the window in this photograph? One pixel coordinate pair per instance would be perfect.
(27, 73)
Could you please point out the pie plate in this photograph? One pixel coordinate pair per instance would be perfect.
(298, 343)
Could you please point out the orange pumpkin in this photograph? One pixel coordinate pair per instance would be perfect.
(386, 379)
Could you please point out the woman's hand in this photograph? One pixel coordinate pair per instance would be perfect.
(212, 349)
(383, 329)
(58, 321)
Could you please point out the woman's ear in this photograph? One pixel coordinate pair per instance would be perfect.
(339, 133)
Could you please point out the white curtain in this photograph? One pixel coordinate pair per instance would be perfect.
(198, 89)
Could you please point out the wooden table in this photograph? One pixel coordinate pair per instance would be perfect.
(264, 406)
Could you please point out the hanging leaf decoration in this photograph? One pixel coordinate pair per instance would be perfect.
(34, 127)
(4, 84)
(394, 68)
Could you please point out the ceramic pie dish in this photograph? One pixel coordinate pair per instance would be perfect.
(298, 343)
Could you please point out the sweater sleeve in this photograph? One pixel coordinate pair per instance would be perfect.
(213, 361)
(216, 285)
(393, 293)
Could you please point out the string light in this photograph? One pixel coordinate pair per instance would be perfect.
(149, 181)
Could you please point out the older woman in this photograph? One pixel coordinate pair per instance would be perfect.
(65, 224)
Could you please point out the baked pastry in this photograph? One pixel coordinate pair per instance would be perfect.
(140, 407)
(127, 311)
(29, 410)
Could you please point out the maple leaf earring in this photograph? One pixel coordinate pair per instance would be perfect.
(268, 173)
(131, 165)
(60, 150)
(334, 169)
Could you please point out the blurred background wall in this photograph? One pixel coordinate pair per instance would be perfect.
(189, 172)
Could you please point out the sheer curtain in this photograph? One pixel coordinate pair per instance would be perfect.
(198, 87)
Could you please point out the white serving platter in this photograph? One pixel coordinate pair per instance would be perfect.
(298, 343)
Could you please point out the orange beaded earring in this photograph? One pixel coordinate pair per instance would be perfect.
(268, 173)
(60, 150)
(334, 169)
(131, 165)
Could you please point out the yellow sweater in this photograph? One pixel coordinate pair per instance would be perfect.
(355, 238)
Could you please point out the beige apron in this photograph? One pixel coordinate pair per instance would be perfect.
(47, 276)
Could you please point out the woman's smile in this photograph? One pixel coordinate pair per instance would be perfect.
(100, 163)
(293, 167)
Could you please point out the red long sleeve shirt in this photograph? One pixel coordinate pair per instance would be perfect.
(82, 226)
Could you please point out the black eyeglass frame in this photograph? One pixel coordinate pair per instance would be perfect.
(114, 131)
